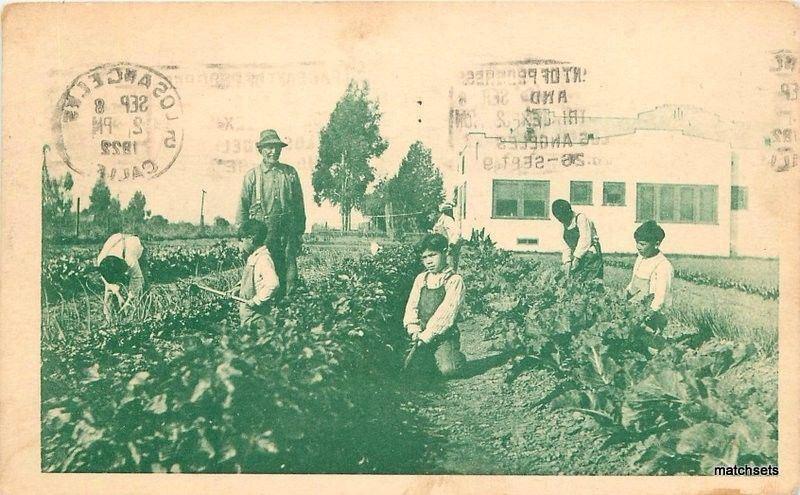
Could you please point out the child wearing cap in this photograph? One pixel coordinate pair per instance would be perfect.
(433, 305)
(652, 273)
(447, 226)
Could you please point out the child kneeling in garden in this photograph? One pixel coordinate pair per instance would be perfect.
(652, 273)
(433, 306)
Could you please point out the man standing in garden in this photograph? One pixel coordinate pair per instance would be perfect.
(271, 193)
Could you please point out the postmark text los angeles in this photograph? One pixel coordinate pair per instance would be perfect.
(121, 121)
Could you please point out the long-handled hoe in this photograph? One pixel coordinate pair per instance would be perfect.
(216, 292)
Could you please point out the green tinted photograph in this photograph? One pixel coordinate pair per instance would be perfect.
(447, 249)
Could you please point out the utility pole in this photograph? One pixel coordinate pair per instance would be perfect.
(202, 205)
(78, 220)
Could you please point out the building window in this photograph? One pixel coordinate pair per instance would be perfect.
(463, 198)
(520, 198)
(676, 203)
(613, 194)
(738, 198)
(580, 192)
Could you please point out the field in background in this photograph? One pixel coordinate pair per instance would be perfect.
(524, 438)
(759, 273)
(728, 313)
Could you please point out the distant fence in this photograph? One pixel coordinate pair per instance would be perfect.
(320, 236)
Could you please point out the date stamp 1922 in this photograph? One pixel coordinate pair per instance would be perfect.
(121, 121)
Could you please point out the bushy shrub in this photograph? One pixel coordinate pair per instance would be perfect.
(656, 391)
(308, 389)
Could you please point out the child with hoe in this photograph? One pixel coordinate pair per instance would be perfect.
(259, 279)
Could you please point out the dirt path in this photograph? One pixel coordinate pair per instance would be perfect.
(481, 425)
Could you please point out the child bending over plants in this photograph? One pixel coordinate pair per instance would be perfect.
(651, 279)
(432, 308)
(118, 265)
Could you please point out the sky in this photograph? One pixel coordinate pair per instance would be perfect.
(287, 72)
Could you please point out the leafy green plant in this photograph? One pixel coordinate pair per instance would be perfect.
(68, 275)
(309, 388)
(655, 391)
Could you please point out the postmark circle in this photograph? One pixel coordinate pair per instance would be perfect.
(121, 121)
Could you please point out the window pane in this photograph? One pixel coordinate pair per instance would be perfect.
(505, 189)
(708, 204)
(580, 193)
(645, 202)
(666, 203)
(464, 201)
(506, 208)
(687, 204)
(535, 189)
(505, 198)
(521, 198)
(614, 193)
(536, 199)
(738, 198)
(534, 208)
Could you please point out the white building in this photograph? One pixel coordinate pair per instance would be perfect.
(710, 198)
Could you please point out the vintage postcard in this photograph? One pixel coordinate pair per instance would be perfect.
(508, 247)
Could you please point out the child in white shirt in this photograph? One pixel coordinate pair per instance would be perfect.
(652, 273)
(448, 227)
(118, 264)
(433, 305)
(259, 278)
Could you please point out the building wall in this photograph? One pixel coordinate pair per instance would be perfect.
(662, 157)
(755, 229)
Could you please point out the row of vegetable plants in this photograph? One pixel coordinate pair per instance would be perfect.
(67, 275)
(312, 388)
(769, 293)
(666, 396)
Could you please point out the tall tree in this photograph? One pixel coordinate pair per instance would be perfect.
(347, 143)
(113, 216)
(157, 221)
(417, 190)
(100, 199)
(56, 198)
(135, 212)
(375, 205)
